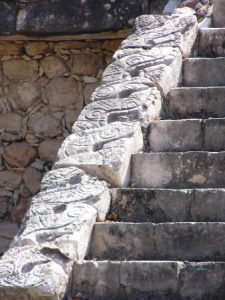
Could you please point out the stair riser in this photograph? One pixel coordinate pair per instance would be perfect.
(187, 135)
(157, 206)
(195, 103)
(212, 42)
(167, 241)
(178, 170)
(204, 72)
(149, 280)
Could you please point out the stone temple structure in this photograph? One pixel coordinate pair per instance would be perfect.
(112, 162)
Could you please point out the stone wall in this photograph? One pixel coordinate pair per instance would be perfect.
(72, 16)
(43, 87)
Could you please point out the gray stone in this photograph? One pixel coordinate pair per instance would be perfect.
(167, 205)
(48, 149)
(159, 66)
(141, 106)
(8, 12)
(145, 278)
(77, 18)
(43, 124)
(7, 232)
(177, 31)
(56, 226)
(167, 241)
(179, 135)
(32, 179)
(33, 273)
(125, 280)
(104, 153)
(215, 134)
(6, 199)
(208, 205)
(195, 102)
(156, 205)
(116, 241)
(194, 277)
(218, 13)
(96, 279)
(178, 170)
(24, 95)
(196, 72)
(211, 42)
(77, 187)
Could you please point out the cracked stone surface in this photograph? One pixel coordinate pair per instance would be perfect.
(57, 228)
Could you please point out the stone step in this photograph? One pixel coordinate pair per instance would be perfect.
(204, 72)
(178, 170)
(166, 205)
(164, 241)
(187, 135)
(148, 280)
(187, 102)
(211, 42)
(218, 13)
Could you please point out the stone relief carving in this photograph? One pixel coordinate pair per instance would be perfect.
(57, 228)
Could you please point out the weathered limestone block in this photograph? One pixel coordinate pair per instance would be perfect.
(5, 202)
(8, 12)
(64, 92)
(21, 70)
(178, 30)
(53, 67)
(54, 225)
(24, 95)
(104, 152)
(19, 154)
(62, 215)
(141, 106)
(159, 66)
(33, 273)
(79, 187)
(78, 16)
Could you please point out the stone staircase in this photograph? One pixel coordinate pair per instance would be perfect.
(168, 241)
